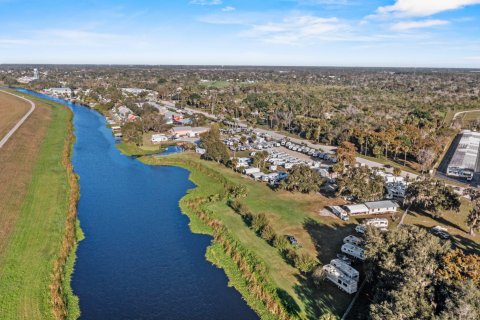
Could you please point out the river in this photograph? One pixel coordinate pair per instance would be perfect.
(139, 259)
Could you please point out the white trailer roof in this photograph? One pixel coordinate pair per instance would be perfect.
(356, 208)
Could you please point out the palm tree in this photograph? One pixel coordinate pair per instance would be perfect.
(473, 219)
(235, 147)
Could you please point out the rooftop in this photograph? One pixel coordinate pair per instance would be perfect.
(465, 156)
(381, 204)
(356, 208)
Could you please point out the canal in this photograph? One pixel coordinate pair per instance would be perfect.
(139, 259)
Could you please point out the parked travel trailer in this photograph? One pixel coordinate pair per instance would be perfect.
(349, 271)
(336, 276)
(339, 212)
(353, 240)
(249, 171)
(354, 251)
(377, 222)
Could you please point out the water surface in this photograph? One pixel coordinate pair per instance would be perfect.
(139, 259)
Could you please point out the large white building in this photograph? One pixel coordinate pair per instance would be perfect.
(59, 92)
(464, 161)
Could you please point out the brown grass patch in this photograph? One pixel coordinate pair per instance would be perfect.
(17, 158)
(11, 110)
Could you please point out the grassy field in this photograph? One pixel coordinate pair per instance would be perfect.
(216, 84)
(469, 117)
(11, 110)
(289, 214)
(37, 195)
(130, 149)
(453, 221)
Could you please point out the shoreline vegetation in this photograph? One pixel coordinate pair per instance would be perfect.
(47, 231)
(244, 269)
(266, 279)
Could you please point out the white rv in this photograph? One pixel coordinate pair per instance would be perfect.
(340, 279)
(377, 222)
(249, 171)
(349, 271)
(353, 240)
(339, 212)
(354, 251)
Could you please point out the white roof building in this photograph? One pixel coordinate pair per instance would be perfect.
(356, 209)
(158, 138)
(384, 206)
(464, 162)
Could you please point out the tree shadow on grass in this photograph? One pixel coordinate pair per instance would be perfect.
(441, 220)
(321, 299)
(324, 297)
(288, 302)
(327, 238)
(467, 244)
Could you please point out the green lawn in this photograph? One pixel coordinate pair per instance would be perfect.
(221, 84)
(453, 221)
(288, 213)
(26, 269)
(469, 117)
(130, 149)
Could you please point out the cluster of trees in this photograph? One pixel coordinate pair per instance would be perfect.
(415, 275)
(133, 131)
(303, 179)
(216, 150)
(360, 184)
(473, 218)
(431, 195)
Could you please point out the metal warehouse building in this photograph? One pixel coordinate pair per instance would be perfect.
(464, 161)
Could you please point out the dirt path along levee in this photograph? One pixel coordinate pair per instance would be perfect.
(14, 111)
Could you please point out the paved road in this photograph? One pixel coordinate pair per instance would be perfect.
(170, 104)
(455, 116)
(20, 122)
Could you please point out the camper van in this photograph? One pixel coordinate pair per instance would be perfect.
(339, 212)
(346, 269)
(341, 280)
(353, 240)
(354, 251)
(377, 222)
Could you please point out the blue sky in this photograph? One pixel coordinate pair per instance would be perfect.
(418, 33)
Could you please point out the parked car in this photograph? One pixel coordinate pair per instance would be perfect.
(361, 228)
(292, 240)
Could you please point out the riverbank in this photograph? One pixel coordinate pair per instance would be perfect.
(36, 264)
(294, 214)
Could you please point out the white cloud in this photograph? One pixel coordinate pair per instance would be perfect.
(422, 8)
(206, 2)
(326, 2)
(297, 29)
(407, 25)
(228, 9)
(75, 35)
